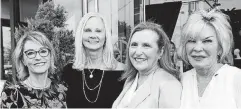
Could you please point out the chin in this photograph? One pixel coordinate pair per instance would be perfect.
(198, 66)
(139, 68)
(41, 71)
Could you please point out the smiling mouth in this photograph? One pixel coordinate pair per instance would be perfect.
(139, 59)
(93, 41)
(198, 58)
(39, 64)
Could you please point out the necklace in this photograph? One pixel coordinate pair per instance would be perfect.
(96, 85)
(91, 73)
(85, 84)
(29, 83)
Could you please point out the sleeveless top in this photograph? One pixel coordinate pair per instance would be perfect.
(100, 91)
(220, 92)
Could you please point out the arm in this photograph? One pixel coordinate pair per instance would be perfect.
(170, 95)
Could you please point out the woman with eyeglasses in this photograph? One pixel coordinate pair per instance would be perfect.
(34, 59)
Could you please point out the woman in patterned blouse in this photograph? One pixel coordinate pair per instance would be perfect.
(34, 59)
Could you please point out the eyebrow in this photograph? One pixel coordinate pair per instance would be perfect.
(209, 37)
(86, 28)
(29, 50)
(34, 49)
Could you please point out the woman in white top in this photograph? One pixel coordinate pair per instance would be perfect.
(206, 44)
(150, 77)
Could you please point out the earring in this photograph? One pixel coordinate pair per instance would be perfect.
(219, 57)
(159, 59)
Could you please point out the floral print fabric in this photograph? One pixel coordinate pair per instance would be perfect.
(22, 96)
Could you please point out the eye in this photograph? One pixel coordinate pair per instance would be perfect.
(191, 41)
(134, 44)
(207, 41)
(30, 53)
(45, 50)
(87, 30)
(98, 30)
(146, 45)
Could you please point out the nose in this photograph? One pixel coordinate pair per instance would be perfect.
(198, 46)
(38, 57)
(139, 51)
(92, 36)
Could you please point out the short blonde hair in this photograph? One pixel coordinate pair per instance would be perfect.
(17, 55)
(80, 57)
(219, 22)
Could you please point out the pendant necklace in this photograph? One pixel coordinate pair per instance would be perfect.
(91, 73)
(84, 82)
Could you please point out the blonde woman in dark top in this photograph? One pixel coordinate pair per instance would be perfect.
(93, 76)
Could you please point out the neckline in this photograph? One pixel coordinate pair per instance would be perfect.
(208, 87)
(26, 84)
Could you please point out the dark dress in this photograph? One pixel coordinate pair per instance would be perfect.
(83, 97)
(23, 96)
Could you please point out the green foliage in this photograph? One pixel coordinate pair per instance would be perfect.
(50, 20)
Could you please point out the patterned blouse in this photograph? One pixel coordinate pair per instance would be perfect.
(23, 96)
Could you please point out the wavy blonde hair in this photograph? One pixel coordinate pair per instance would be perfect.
(80, 57)
(219, 22)
(17, 56)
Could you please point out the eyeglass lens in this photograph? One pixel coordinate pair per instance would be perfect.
(32, 53)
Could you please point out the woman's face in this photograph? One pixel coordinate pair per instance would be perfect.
(36, 57)
(94, 34)
(143, 51)
(202, 51)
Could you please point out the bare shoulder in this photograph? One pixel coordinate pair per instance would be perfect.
(120, 66)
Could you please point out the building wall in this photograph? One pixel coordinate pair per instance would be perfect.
(28, 8)
(126, 11)
(5, 9)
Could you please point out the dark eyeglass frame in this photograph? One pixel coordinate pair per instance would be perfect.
(39, 52)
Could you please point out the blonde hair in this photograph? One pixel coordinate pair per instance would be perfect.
(163, 42)
(17, 56)
(219, 22)
(80, 57)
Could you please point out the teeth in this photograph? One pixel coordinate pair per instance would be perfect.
(39, 64)
(139, 59)
(93, 41)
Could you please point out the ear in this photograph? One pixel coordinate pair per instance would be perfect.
(161, 51)
(220, 52)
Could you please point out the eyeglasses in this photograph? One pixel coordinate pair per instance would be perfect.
(43, 52)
